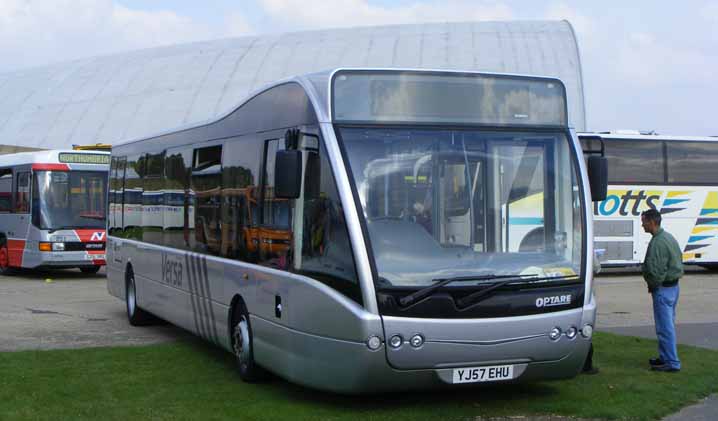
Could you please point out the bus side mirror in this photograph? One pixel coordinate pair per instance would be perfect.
(598, 177)
(288, 174)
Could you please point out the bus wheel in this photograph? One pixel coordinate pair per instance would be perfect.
(242, 343)
(135, 315)
(5, 268)
(90, 269)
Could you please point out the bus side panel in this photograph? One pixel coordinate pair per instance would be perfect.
(16, 248)
(15, 227)
(204, 307)
(690, 214)
(311, 311)
(32, 256)
(349, 320)
(115, 268)
(269, 310)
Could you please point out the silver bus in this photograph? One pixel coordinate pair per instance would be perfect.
(361, 230)
(52, 210)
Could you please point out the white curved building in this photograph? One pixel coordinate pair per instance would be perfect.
(115, 98)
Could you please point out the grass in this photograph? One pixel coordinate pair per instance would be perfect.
(192, 380)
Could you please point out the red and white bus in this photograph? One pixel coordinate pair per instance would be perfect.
(53, 210)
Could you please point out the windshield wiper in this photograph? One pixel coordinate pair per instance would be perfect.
(482, 294)
(90, 216)
(438, 283)
(51, 230)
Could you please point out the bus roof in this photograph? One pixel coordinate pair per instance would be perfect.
(316, 85)
(640, 137)
(57, 156)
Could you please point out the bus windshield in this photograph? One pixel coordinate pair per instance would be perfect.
(69, 199)
(442, 203)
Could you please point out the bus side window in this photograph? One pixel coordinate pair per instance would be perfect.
(275, 233)
(132, 198)
(22, 193)
(240, 194)
(326, 252)
(178, 217)
(206, 182)
(153, 199)
(635, 161)
(117, 174)
(5, 190)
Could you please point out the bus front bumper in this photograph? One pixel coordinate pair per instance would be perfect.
(352, 368)
(63, 259)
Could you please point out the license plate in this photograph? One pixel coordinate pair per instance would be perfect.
(483, 374)
(94, 257)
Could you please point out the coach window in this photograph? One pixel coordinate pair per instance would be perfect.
(111, 196)
(206, 181)
(5, 190)
(178, 215)
(692, 162)
(240, 198)
(326, 252)
(153, 199)
(117, 172)
(116, 210)
(132, 196)
(635, 162)
(22, 192)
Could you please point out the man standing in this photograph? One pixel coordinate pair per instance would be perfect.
(662, 268)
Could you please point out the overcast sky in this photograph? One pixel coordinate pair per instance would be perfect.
(648, 65)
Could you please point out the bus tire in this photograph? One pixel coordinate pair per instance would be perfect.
(243, 346)
(90, 269)
(135, 315)
(5, 268)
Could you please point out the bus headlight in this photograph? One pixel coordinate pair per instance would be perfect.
(373, 343)
(58, 246)
(587, 331)
(554, 334)
(395, 341)
(571, 332)
(416, 341)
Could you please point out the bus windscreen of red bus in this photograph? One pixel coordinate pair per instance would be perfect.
(69, 199)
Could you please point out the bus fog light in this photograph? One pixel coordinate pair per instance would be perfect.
(373, 343)
(58, 246)
(587, 331)
(395, 341)
(555, 333)
(571, 332)
(416, 341)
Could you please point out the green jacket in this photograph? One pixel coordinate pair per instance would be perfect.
(664, 260)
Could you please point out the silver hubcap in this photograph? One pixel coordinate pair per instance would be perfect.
(241, 341)
(131, 298)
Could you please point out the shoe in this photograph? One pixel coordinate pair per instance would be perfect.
(665, 368)
(656, 361)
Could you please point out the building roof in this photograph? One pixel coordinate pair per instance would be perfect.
(111, 99)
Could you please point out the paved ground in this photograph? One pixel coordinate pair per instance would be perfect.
(67, 309)
(624, 302)
(72, 310)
